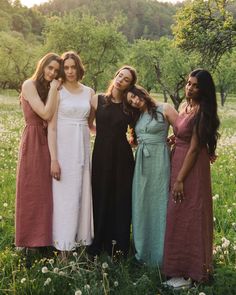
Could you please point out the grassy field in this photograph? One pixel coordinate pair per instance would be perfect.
(44, 274)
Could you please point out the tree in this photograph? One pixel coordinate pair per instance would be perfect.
(17, 60)
(225, 75)
(162, 67)
(100, 45)
(206, 27)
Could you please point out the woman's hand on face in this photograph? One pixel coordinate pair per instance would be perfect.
(56, 84)
(178, 191)
(55, 170)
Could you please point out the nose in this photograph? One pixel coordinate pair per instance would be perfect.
(135, 100)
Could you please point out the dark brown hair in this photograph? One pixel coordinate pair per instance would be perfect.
(143, 94)
(41, 84)
(78, 64)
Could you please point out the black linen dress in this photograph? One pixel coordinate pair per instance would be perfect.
(112, 173)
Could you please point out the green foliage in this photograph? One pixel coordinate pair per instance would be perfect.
(162, 67)
(149, 19)
(206, 27)
(99, 44)
(17, 60)
(225, 75)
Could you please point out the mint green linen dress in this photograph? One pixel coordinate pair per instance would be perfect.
(150, 188)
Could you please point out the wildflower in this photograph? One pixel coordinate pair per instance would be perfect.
(202, 293)
(104, 265)
(234, 247)
(23, 280)
(234, 225)
(116, 284)
(0, 217)
(75, 255)
(214, 219)
(5, 205)
(56, 270)
(47, 282)
(78, 292)
(44, 269)
(113, 242)
(61, 273)
(218, 248)
(225, 243)
(51, 261)
(87, 287)
(215, 197)
(229, 211)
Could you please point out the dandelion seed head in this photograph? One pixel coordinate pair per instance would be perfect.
(116, 284)
(47, 282)
(78, 292)
(56, 270)
(44, 269)
(87, 287)
(104, 265)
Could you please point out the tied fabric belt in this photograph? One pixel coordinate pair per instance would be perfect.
(143, 146)
(78, 124)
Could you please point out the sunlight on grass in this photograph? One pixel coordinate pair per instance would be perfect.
(44, 273)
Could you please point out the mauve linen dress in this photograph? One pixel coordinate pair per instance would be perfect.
(189, 225)
(33, 184)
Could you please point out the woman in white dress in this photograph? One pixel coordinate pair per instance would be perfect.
(69, 145)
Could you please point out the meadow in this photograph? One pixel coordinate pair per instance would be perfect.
(44, 274)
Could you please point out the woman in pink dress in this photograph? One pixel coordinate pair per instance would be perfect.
(189, 227)
(34, 183)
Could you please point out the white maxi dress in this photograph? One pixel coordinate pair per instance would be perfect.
(72, 195)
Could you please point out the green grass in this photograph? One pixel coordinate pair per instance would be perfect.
(25, 275)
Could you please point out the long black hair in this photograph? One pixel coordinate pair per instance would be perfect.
(206, 120)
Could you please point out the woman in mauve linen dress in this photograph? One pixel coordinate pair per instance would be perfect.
(69, 144)
(34, 183)
(189, 228)
(151, 174)
(112, 168)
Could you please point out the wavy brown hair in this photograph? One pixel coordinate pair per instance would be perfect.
(41, 84)
(78, 64)
(108, 94)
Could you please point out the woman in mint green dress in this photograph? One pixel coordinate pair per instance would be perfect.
(151, 176)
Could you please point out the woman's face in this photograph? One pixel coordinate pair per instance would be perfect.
(123, 80)
(191, 88)
(51, 71)
(135, 101)
(70, 70)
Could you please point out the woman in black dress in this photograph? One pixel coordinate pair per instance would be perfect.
(112, 167)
